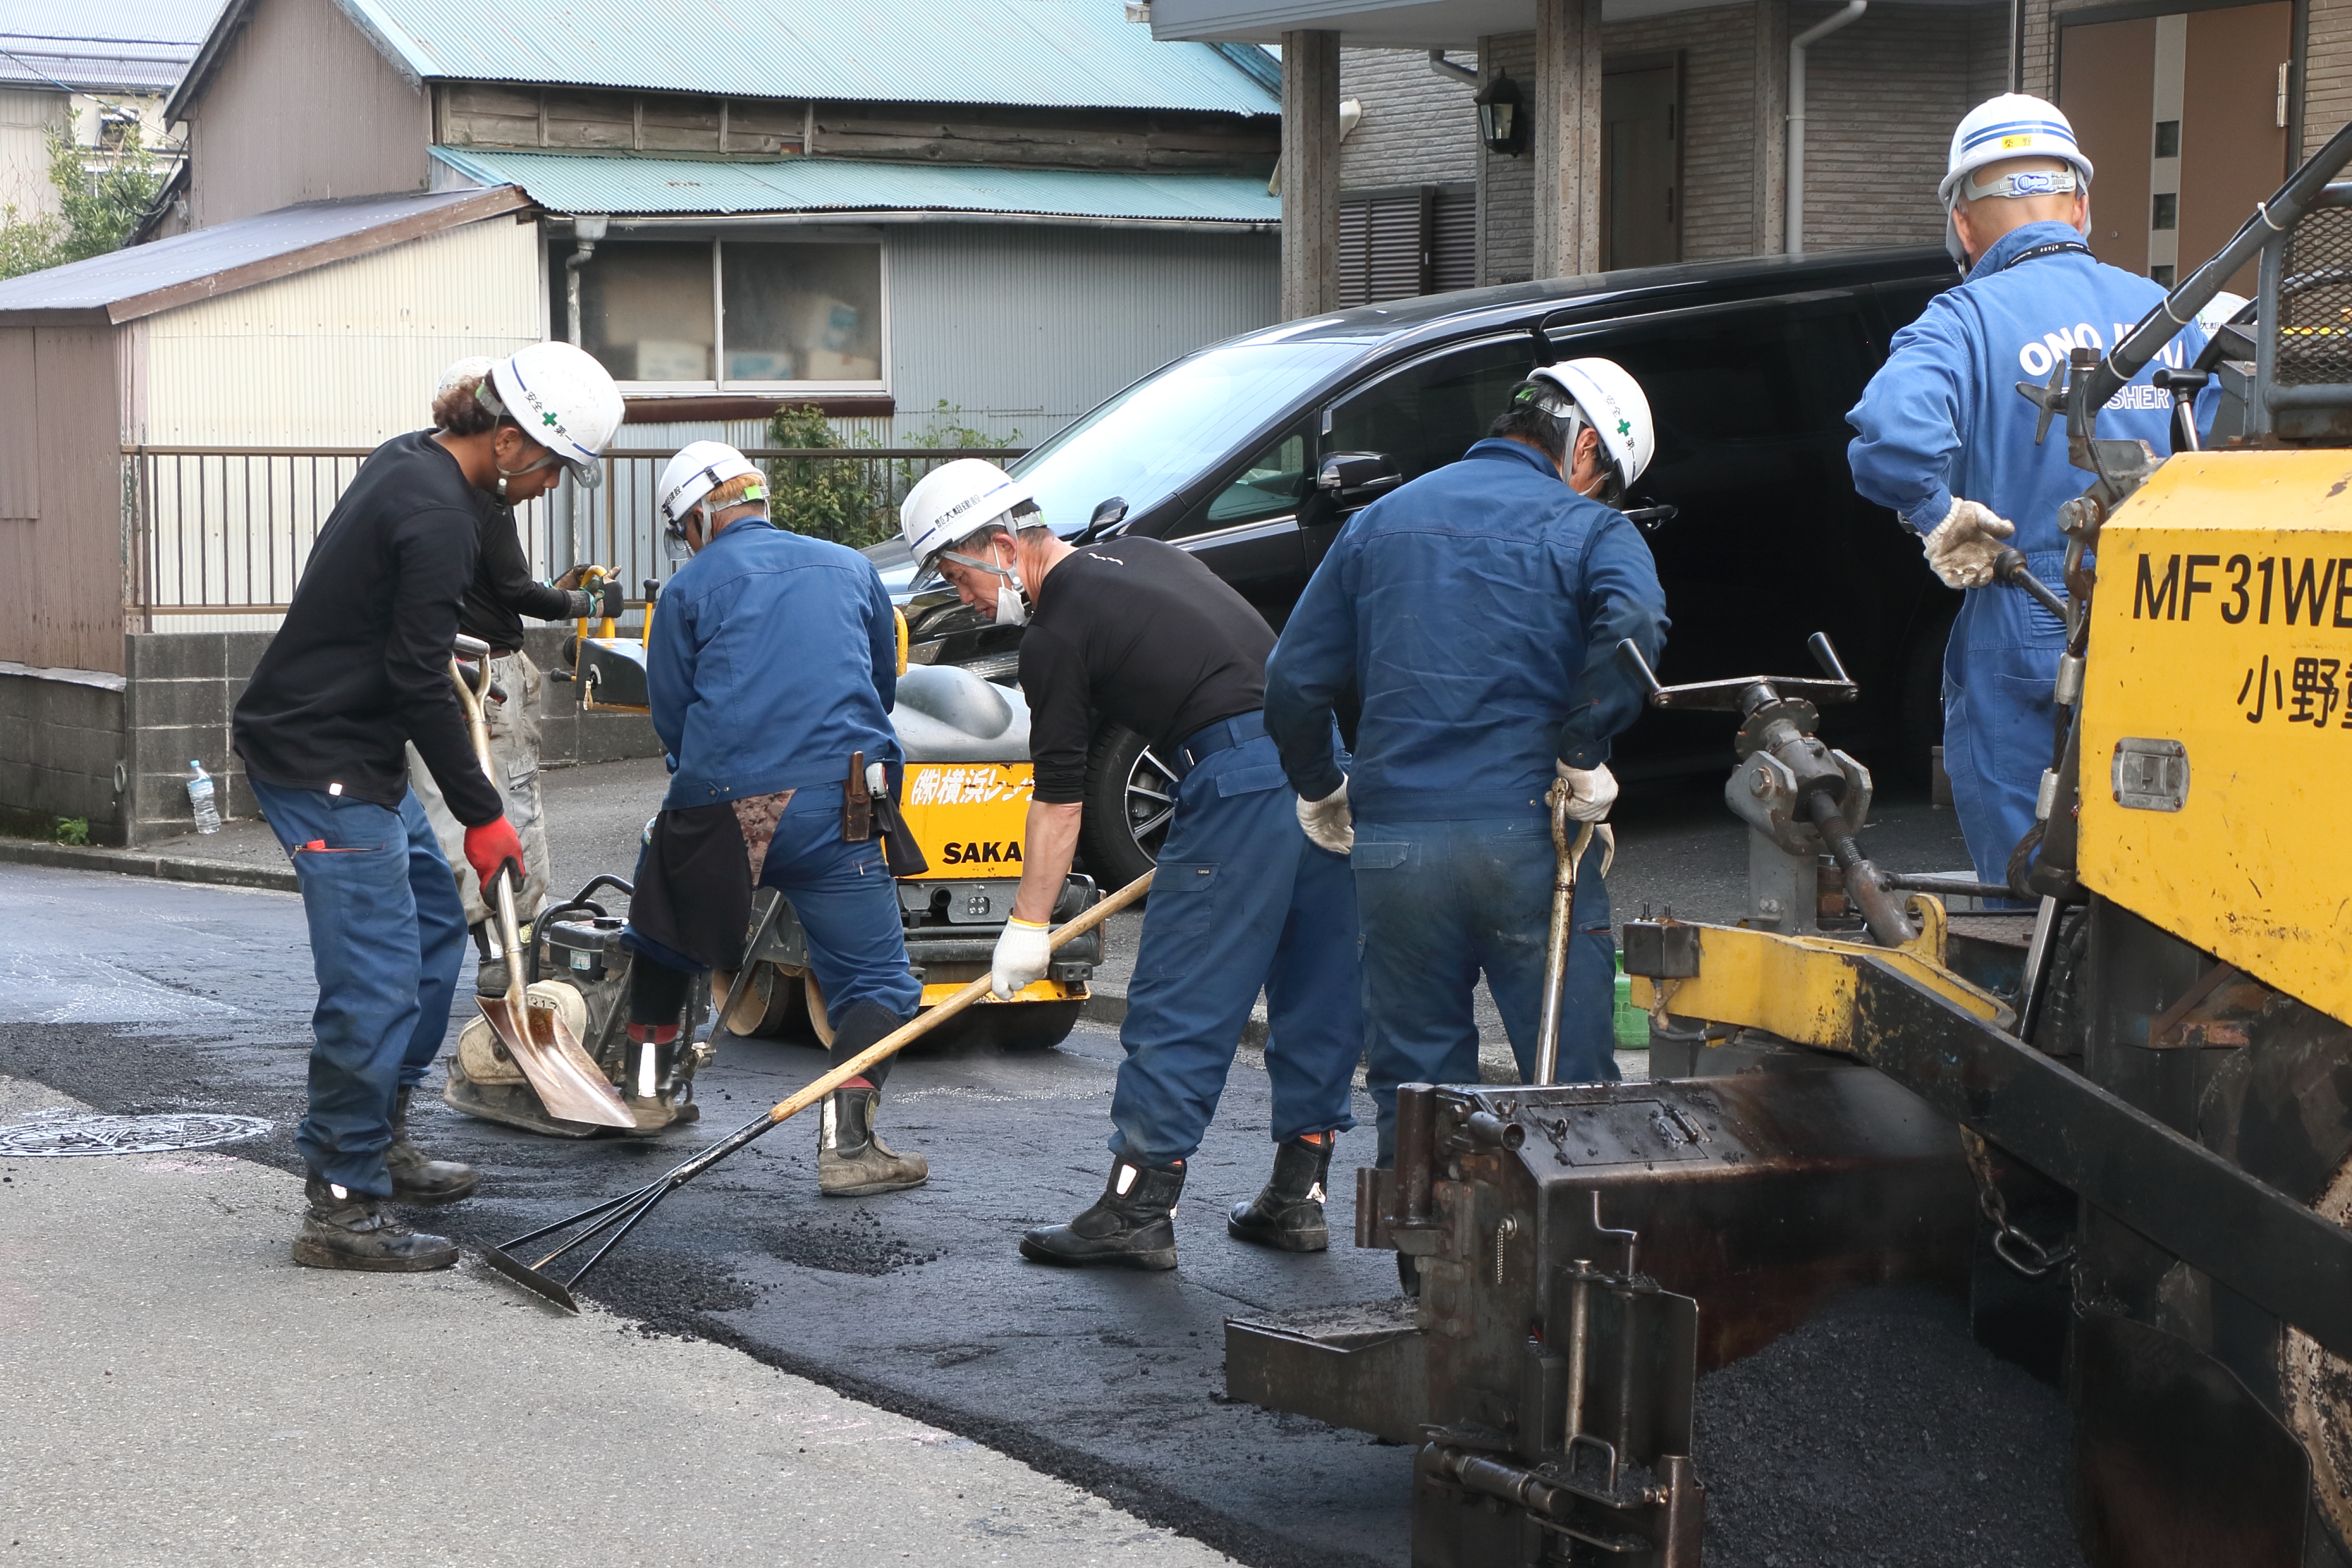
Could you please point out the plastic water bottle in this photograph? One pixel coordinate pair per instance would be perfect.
(201, 797)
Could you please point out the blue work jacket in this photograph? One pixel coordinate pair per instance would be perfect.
(773, 657)
(1943, 417)
(1478, 608)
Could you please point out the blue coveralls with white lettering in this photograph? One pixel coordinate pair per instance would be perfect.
(1943, 417)
(1478, 609)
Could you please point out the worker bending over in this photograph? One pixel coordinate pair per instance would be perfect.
(1943, 438)
(359, 670)
(492, 611)
(772, 664)
(1141, 633)
(1478, 610)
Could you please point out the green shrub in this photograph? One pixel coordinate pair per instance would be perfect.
(73, 830)
(96, 211)
(852, 500)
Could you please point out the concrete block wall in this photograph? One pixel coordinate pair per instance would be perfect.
(1507, 186)
(60, 742)
(177, 698)
(1883, 96)
(1419, 128)
(182, 691)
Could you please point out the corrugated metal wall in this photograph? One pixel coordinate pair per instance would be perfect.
(1024, 327)
(346, 354)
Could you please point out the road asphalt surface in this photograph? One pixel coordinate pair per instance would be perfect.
(136, 996)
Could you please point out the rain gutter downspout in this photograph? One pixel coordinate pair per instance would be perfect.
(586, 231)
(1445, 68)
(1793, 224)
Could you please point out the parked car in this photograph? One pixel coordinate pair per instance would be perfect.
(1749, 367)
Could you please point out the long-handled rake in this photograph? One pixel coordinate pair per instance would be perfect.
(621, 1216)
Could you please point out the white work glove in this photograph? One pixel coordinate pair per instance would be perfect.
(1328, 824)
(1962, 548)
(1022, 955)
(1590, 790)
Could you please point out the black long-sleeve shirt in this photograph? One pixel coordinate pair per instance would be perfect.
(503, 590)
(1143, 634)
(362, 664)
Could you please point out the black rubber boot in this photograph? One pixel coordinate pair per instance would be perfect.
(417, 1177)
(1288, 1214)
(348, 1230)
(1132, 1226)
(851, 1161)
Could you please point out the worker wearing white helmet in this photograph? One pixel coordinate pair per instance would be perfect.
(1943, 438)
(502, 592)
(771, 669)
(1141, 633)
(358, 671)
(1478, 610)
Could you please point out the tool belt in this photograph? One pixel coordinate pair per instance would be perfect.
(863, 814)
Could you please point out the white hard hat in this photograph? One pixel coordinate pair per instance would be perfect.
(956, 500)
(700, 467)
(563, 400)
(2014, 125)
(1614, 404)
(473, 367)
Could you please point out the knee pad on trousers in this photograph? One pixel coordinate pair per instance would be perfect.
(865, 1023)
(656, 991)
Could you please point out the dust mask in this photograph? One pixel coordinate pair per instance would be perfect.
(1012, 604)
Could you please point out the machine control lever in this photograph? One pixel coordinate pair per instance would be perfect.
(1742, 694)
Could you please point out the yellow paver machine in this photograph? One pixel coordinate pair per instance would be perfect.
(2120, 1118)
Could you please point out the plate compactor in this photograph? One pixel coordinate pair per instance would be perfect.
(964, 801)
(2119, 1119)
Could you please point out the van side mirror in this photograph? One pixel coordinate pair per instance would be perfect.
(1350, 481)
(1108, 514)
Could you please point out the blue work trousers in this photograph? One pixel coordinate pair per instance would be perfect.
(2001, 713)
(1441, 901)
(1241, 902)
(387, 939)
(847, 903)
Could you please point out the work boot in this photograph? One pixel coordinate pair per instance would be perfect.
(851, 1161)
(417, 1178)
(1132, 1226)
(349, 1229)
(1288, 1214)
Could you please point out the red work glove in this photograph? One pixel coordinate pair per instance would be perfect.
(491, 847)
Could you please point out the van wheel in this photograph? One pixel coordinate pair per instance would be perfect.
(1131, 793)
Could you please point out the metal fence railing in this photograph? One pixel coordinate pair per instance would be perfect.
(214, 533)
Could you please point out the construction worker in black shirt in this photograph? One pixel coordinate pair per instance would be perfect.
(1141, 633)
(358, 668)
(492, 611)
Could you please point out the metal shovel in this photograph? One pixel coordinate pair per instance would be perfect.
(565, 1077)
(620, 1214)
(1567, 856)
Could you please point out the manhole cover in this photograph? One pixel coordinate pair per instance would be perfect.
(52, 1134)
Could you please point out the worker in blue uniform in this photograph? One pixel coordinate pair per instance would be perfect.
(1142, 633)
(1943, 437)
(1478, 610)
(771, 668)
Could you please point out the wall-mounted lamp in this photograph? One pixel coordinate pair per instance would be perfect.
(1501, 124)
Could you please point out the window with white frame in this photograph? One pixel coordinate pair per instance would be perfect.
(729, 314)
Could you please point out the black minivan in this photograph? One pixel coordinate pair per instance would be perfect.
(1749, 367)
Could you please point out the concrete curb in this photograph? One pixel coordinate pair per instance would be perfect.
(132, 863)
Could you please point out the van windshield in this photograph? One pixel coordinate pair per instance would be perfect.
(1170, 427)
